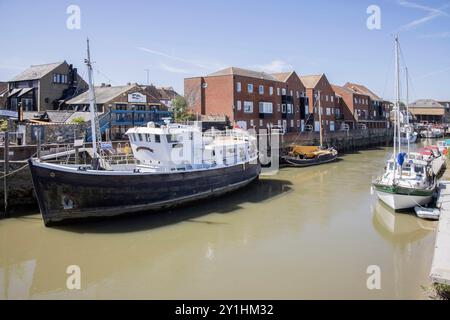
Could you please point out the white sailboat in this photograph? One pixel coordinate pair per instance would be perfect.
(406, 182)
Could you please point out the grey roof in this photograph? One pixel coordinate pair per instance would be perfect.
(243, 73)
(86, 115)
(36, 72)
(102, 94)
(426, 103)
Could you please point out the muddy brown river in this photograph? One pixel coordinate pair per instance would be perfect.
(302, 234)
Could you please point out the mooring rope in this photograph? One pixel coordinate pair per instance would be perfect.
(15, 171)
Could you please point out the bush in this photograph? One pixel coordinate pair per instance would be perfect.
(78, 120)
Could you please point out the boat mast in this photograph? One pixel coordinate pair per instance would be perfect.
(397, 83)
(408, 133)
(397, 106)
(92, 103)
(320, 123)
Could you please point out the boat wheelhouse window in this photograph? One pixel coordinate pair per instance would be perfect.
(157, 138)
(177, 145)
(148, 138)
(406, 167)
(419, 170)
(140, 137)
(171, 138)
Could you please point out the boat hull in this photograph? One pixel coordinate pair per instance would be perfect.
(65, 194)
(403, 198)
(295, 162)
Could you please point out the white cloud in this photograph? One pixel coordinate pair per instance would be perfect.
(433, 13)
(173, 69)
(197, 64)
(433, 73)
(436, 35)
(274, 66)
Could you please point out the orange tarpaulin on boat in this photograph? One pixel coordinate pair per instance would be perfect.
(308, 151)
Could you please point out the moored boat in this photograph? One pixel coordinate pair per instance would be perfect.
(303, 156)
(407, 180)
(407, 185)
(175, 164)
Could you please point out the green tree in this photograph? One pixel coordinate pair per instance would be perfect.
(78, 120)
(3, 125)
(180, 109)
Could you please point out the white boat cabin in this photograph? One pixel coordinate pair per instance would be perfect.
(174, 147)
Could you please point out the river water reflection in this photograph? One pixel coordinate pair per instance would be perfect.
(302, 234)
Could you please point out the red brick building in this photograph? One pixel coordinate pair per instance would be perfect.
(249, 99)
(319, 86)
(376, 110)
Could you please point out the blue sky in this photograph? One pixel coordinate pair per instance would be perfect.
(178, 39)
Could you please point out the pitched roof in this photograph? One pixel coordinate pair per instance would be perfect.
(167, 93)
(337, 88)
(311, 81)
(36, 72)
(102, 94)
(3, 87)
(426, 103)
(361, 89)
(282, 76)
(243, 73)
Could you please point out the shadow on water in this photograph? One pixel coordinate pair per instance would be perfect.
(256, 192)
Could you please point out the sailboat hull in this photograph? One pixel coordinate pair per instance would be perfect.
(399, 201)
(68, 193)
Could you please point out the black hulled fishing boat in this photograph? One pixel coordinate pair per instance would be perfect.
(175, 164)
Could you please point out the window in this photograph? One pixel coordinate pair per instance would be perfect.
(328, 110)
(283, 91)
(326, 98)
(292, 93)
(292, 123)
(266, 107)
(283, 108)
(59, 78)
(250, 88)
(261, 89)
(356, 100)
(298, 95)
(332, 98)
(238, 87)
(27, 104)
(289, 108)
(278, 91)
(248, 107)
(239, 105)
(252, 123)
(278, 107)
(271, 90)
(261, 123)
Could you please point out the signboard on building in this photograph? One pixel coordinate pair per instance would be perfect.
(137, 97)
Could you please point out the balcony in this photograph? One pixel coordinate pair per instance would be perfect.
(136, 117)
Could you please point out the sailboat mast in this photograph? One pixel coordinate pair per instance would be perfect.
(397, 90)
(408, 133)
(320, 122)
(92, 102)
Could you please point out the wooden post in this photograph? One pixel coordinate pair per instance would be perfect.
(38, 153)
(77, 156)
(6, 171)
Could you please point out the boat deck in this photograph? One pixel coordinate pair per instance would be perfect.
(440, 268)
